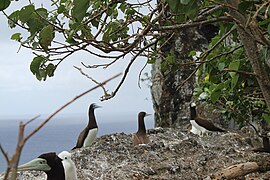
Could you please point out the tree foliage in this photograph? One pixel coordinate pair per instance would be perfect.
(109, 29)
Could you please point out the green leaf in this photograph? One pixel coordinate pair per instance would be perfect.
(46, 36)
(221, 66)
(36, 63)
(13, 19)
(16, 37)
(42, 12)
(4, 4)
(50, 69)
(123, 7)
(35, 22)
(268, 28)
(170, 59)
(234, 65)
(61, 9)
(215, 96)
(35, 45)
(174, 5)
(266, 117)
(95, 23)
(234, 81)
(25, 13)
(79, 9)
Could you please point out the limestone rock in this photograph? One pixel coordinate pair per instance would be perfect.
(172, 154)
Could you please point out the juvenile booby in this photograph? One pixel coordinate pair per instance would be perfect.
(89, 134)
(69, 166)
(141, 137)
(50, 163)
(200, 125)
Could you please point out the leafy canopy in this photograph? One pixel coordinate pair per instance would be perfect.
(110, 29)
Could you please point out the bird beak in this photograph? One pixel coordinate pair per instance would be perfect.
(38, 164)
(147, 114)
(97, 106)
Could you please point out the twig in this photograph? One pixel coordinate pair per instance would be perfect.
(241, 72)
(192, 24)
(127, 70)
(28, 122)
(4, 153)
(139, 77)
(86, 75)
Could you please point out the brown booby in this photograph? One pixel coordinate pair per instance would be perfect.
(89, 134)
(141, 137)
(199, 125)
(50, 163)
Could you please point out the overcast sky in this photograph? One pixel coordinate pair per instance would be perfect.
(22, 94)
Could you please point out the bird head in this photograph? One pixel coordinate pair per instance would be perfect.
(42, 163)
(193, 104)
(144, 114)
(94, 106)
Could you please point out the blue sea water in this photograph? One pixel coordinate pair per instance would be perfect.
(60, 133)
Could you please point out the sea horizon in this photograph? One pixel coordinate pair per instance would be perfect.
(60, 133)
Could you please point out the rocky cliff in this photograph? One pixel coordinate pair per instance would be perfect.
(172, 154)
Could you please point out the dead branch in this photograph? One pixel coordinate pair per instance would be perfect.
(237, 170)
(14, 160)
(92, 79)
(127, 70)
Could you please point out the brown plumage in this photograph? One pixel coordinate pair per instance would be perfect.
(141, 137)
(88, 135)
(200, 124)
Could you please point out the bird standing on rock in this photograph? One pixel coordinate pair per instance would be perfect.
(89, 134)
(52, 165)
(199, 125)
(141, 137)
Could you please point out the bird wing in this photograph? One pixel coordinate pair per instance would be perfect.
(208, 125)
(81, 138)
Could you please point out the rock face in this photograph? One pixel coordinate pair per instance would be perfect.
(172, 154)
(172, 83)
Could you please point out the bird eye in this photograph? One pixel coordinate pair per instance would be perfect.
(66, 158)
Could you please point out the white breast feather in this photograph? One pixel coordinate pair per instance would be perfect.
(91, 136)
(196, 129)
(69, 166)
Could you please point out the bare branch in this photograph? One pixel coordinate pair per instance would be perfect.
(5, 154)
(139, 77)
(31, 120)
(191, 24)
(127, 70)
(92, 79)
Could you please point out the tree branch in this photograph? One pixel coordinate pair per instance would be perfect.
(14, 161)
(191, 24)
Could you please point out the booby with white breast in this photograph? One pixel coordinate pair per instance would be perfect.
(52, 165)
(89, 134)
(141, 137)
(201, 126)
(69, 166)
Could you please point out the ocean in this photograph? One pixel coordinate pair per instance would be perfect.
(61, 133)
